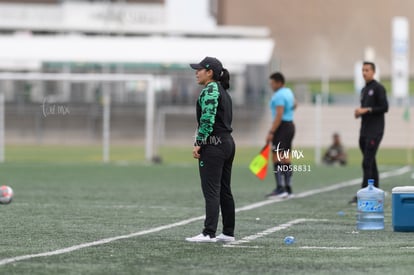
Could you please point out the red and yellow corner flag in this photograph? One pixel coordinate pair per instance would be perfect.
(258, 166)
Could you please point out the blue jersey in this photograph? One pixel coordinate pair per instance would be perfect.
(283, 97)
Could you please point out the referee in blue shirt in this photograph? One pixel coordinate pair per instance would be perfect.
(281, 133)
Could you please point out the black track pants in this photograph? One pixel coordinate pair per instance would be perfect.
(215, 165)
(369, 147)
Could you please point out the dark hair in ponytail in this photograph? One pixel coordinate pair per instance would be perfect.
(224, 79)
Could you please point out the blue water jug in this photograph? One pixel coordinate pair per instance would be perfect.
(370, 208)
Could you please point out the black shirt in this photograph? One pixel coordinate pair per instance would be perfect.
(373, 95)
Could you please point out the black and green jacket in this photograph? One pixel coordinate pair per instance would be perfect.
(214, 113)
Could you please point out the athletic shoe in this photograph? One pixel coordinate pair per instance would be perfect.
(276, 192)
(201, 239)
(291, 195)
(225, 238)
(353, 201)
(282, 195)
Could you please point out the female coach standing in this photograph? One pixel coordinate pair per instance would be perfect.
(214, 148)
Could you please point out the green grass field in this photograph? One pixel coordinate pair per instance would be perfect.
(65, 197)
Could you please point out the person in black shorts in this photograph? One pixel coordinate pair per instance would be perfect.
(281, 133)
(215, 149)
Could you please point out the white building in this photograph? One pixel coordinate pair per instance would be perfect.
(159, 37)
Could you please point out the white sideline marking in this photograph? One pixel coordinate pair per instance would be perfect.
(5, 261)
(99, 242)
(332, 248)
(269, 231)
(242, 246)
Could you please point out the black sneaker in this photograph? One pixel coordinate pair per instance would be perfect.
(353, 201)
(277, 193)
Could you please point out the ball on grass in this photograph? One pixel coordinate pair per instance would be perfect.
(6, 194)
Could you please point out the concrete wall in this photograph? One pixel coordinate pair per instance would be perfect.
(315, 37)
(83, 125)
(398, 132)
